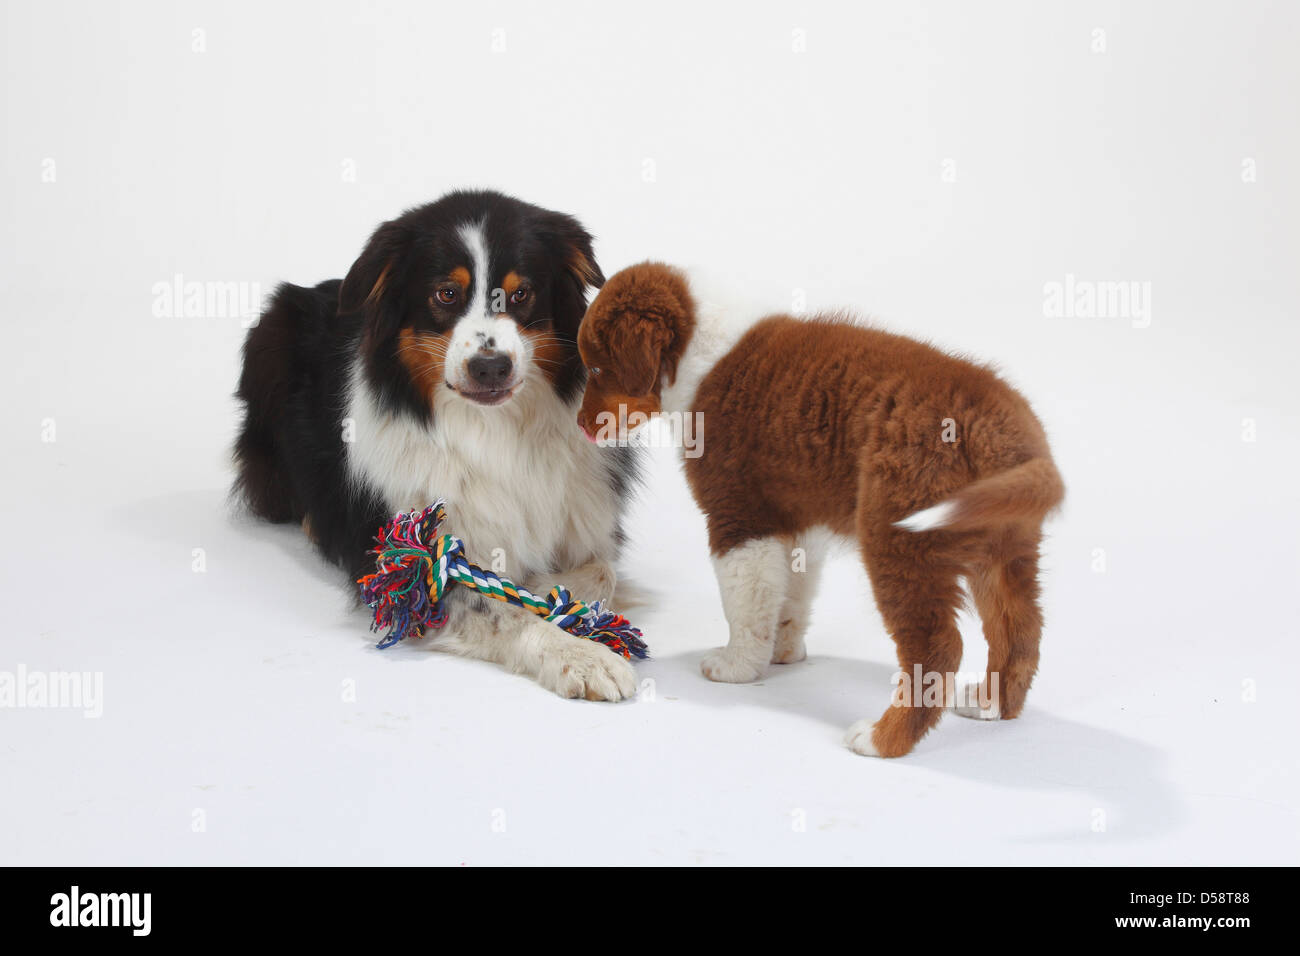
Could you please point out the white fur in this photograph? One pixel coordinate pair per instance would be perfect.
(858, 739)
(753, 579)
(801, 589)
(524, 489)
(480, 327)
(966, 703)
(719, 324)
(525, 644)
(929, 518)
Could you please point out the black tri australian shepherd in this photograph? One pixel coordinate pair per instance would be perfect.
(445, 365)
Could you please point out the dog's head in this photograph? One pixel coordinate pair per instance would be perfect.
(471, 298)
(631, 340)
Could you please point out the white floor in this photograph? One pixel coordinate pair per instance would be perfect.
(247, 716)
(247, 701)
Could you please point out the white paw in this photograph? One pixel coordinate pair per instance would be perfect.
(789, 647)
(858, 738)
(730, 667)
(585, 669)
(968, 702)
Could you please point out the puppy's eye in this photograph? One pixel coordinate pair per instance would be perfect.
(520, 295)
(447, 294)
(594, 372)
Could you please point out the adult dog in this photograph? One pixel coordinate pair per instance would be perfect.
(445, 366)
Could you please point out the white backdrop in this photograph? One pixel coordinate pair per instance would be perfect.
(944, 167)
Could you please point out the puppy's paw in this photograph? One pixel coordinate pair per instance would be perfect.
(789, 647)
(971, 701)
(588, 670)
(858, 738)
(730, 667)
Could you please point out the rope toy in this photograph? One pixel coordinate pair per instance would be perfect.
(415, 566)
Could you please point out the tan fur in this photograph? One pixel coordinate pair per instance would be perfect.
(422, 353)
(827, 423)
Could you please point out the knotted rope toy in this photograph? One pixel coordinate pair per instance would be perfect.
(415, 566)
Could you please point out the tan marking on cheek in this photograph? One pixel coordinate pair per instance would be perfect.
(511, 282)
(460, 276)
(548, 353)
(421, 354)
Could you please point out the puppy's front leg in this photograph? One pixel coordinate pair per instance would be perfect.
(753, 579)
(570, 666)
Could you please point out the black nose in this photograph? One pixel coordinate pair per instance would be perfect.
(490, 370)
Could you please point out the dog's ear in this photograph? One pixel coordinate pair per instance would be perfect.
(370, 283)
(574, 267)
(639, 344)
(573, 242)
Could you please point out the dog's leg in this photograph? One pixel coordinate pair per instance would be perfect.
(570, 666)
(752, 578)
(1006, 595)
(805, 572)
(917, 592)
(592, 582)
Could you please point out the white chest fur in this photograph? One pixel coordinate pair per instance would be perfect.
(525, 490)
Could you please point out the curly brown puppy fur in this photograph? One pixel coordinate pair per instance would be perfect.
(934, 466)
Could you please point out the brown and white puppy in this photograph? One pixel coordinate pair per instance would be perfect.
(932, 465)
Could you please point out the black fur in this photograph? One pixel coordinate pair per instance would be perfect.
(290, 451)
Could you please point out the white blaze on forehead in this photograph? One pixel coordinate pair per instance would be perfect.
(480, 279)
(480, 327)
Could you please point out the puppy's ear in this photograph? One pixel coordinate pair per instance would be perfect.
(639, 345)
(372, 278)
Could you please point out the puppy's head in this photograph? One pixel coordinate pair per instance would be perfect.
(471, 299)
(631, 340)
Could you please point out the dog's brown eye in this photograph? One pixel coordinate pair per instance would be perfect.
(520, 296)
(594, 372)
(447, 294)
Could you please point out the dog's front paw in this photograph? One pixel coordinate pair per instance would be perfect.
(729, 666)
(585, 669)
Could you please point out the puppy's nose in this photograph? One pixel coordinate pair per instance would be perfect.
(490, 369)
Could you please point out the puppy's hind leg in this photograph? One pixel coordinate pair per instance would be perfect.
(1006, 595)
(752, 578)
(918, 595)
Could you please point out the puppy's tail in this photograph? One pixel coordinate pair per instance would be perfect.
(1026, 492)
